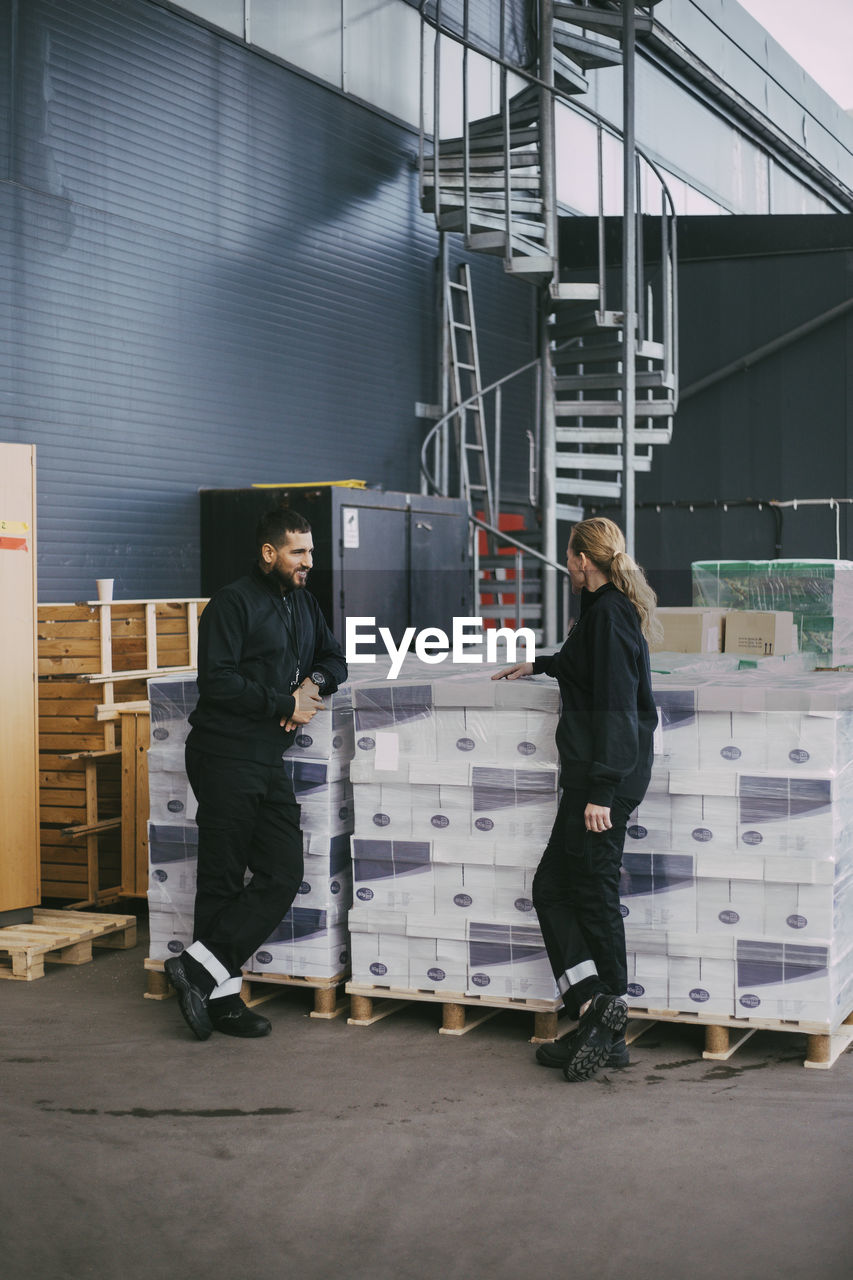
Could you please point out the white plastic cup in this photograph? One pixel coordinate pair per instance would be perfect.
(105, 589)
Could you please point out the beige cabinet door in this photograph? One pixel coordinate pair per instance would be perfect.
(19, 816)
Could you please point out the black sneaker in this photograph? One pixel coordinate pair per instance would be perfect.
(597, 1036)
(192, 999)
(558, 1053)
(230, 1016)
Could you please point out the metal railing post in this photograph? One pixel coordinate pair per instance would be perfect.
(629, 277)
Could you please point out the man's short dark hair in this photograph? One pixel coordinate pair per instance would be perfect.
(275, 525)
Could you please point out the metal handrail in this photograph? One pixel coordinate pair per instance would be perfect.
(460, 408)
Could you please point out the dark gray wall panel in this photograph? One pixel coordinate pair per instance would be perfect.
(778, 430)
(218, 273)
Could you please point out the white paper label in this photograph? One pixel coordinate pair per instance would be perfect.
(658, 737)
(350, 515)
(387, 751)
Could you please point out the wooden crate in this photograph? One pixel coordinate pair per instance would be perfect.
(94, 661)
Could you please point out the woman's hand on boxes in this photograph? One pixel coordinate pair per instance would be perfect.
(512, 673)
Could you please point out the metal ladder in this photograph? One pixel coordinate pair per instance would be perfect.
(467, 396)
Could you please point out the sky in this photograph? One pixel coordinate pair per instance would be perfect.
(819, 34)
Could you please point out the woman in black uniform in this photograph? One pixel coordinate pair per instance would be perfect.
(605, 744)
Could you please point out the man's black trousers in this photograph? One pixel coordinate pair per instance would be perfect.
(576, 896)
(247, 817)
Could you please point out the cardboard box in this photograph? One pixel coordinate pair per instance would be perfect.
(690, 630)
(760, 634)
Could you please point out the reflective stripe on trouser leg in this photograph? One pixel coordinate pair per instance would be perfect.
(208, 961)
(231, 987)
(572, 977)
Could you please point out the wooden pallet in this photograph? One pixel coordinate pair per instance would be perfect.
(62, 937)
(724, 1036)
(460, 1013)
(259, 987)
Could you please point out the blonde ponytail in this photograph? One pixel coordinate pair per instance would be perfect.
(604, 543)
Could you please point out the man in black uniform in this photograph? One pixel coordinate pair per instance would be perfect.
(265, 659)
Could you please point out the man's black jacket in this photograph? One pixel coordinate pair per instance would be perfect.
(253, 647)
(606, 731)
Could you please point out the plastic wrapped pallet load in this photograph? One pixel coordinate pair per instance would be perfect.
(455, 782)
(312, 939)
(737, 877)
(819, 593)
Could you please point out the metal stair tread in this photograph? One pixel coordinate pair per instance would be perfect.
(611, 435)
(599, 461)
(597, 19)
(612, 408)
(644, 378)
(588, 54)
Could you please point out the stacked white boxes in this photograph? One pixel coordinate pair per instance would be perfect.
(455, 783)
(737, 883)
(172, 835)
(311, 941)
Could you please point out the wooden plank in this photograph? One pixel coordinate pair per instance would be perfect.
(66, 613)
(49, 631)
(141, 674)
(92, 828)
(62, 646)
(52, 666)
(134, 802)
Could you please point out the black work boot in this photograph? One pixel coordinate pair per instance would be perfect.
(599, 1029)
(229, 1015)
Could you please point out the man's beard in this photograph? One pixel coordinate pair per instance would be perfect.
(287, 580)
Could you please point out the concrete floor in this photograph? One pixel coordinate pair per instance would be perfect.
(129, 1149)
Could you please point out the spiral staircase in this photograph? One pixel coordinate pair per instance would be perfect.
(610, 325)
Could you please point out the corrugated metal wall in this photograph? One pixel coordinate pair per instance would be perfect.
(219, 275)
